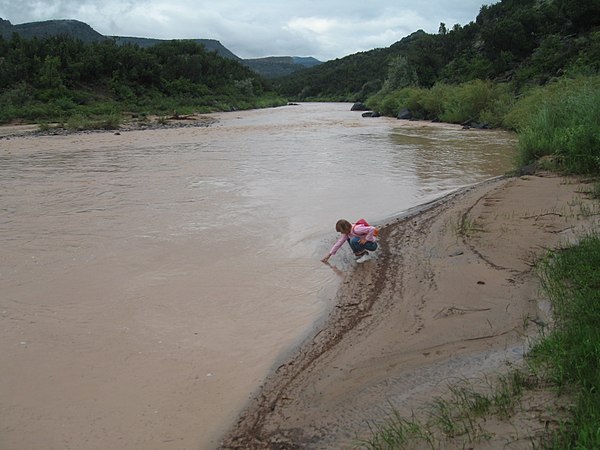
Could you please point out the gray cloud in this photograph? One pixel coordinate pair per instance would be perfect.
(325, 29)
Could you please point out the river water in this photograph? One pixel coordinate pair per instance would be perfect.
(150, 280)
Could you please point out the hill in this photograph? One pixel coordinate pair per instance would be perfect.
(525, 42)
(268, 67)
(277, 66)
(211, 45)
(74, 28)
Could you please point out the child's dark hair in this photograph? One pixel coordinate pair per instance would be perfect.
(343, 226)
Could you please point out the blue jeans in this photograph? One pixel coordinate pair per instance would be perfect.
(357, 247)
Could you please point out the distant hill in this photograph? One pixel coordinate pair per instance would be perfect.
(212, 45)
(75, 28)
(277, 66)
(269, 67)
(524, 42)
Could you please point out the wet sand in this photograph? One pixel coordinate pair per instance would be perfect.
(452, 294)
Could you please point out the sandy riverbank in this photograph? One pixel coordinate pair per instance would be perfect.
(452, 294)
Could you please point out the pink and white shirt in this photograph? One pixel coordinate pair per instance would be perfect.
(359, 231)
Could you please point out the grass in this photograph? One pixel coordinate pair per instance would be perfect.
(561, 120)
(458, 417)
(595, 191)
(466, 226)
(566, 359)
(400, 432)
(571, 352)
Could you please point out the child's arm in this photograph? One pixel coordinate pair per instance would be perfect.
(335, 247)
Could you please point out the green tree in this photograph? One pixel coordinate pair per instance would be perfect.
(50, 77)
(400, 74)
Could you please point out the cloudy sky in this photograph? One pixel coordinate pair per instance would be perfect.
(325, 29)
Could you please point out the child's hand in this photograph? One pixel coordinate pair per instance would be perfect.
(324, 260)
(363, 241)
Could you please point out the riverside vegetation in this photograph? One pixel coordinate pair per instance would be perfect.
(526, 65)
(94, 85)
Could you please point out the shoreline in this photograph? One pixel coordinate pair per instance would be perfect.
(8, 132)
(452, 293)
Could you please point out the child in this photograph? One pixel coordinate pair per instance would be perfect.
(361, 236)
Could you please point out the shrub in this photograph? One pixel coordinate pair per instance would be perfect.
(482, 101)
(478, 100)
(562, 119)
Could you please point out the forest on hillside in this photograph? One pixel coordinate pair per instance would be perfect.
(526, 42)
(56, 78)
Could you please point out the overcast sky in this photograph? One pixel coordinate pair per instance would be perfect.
(325, 29)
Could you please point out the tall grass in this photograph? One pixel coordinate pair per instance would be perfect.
(572, 351)
(482, 101)
(562, 120)
(477, 100)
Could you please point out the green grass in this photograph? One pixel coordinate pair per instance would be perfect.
(458, 417)
(571, 352)
(561, 120)
(399, 432)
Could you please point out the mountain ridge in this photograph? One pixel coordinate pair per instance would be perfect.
(269, 67)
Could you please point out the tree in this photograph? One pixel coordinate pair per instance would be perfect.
(400, 74)
(50, 73)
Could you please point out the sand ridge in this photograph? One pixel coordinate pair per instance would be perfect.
(452, 294)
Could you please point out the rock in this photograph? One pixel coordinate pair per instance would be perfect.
(359, 106)
(405, 114)
(529, 169)
(371, 114)
(474, 124)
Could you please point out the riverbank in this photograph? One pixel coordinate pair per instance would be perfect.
(133, 123)
(452, 294)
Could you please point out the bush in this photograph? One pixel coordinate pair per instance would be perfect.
(563, 120)
(481, 101)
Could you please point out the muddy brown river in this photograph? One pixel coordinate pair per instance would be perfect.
(150, 280)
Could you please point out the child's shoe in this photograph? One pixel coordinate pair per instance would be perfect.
(362, 258)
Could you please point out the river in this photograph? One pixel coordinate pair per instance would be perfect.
(151, 279)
